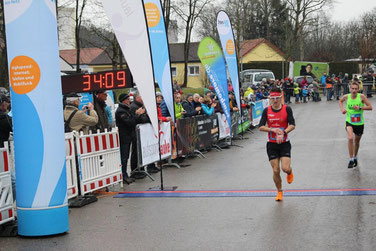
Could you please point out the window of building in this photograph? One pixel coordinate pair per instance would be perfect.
(194, 70)
(173, 71)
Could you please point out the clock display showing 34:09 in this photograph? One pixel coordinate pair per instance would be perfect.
(92, 82)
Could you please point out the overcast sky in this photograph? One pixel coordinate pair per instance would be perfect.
(346, 10)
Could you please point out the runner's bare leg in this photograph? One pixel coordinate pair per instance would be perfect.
(286, 165)
(356, 145)
(350, 137)
(276, 174)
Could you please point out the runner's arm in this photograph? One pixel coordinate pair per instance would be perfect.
(343, 99)
(290, 120)
(262, 125)
(368, 105)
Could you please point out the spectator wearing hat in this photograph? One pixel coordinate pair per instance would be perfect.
(80, 121)
(188, 106)
(5, 120)
(159, 99)
(100, 107)
(126, 124)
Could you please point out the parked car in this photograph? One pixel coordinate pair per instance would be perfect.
(254, 76)
(298, 79)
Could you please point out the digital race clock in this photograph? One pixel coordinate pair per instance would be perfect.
(105, 80)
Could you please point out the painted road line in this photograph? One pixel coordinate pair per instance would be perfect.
(248, 193)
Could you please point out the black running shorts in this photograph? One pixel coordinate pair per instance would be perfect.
(358, 129)
(276, 151)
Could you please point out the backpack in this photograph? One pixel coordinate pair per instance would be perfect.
(66, 123)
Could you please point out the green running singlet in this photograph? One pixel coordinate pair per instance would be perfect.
(354, 117)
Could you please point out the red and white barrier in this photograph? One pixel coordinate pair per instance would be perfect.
(70, 160)
(98, 160)
(6, 196)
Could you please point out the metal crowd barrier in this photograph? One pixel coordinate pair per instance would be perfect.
(98, 160)
(70, 160)
(6, 196)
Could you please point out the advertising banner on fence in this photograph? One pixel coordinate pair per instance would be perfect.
(204, 127)
(160, 51)
(224, 129)
(149, 151)
(212, 59)
(257, 112)
(244, 121)
(226, 36)
(35, 83)
(129, 23)
(186, 130)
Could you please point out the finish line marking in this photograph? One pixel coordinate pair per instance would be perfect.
(247, 193)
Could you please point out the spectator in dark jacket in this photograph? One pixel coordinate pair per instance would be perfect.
(5, 120)
(100, 107)
(189, 107)
(161, 118)
(126, 124)
(196, 101)
(164, 109)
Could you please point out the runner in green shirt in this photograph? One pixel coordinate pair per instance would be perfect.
(356, 103)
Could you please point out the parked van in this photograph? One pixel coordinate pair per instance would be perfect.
(254, 76)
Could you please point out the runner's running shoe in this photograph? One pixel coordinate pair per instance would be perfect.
(279, 196)
(351, 164)
(290, 178)
(355, 162)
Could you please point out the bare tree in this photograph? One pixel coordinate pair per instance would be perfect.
(78, 21)
(166, 7)
(265, 8)
(367, 39)
(302, 14)
(189, 11)
(103, 37)
(241, 14)
(208, 22)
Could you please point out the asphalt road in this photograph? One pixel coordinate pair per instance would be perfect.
(319, 161)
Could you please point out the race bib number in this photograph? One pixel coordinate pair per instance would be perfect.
(356, 118)
(273, 136)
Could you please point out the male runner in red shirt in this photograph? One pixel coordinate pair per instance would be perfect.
(280, 122)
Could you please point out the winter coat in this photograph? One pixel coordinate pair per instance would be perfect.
(189, 109)
(126, 123)
(178, 111)
(140, 119)
(100, 108)
(207, 110)
(80, 120)
(5, 127)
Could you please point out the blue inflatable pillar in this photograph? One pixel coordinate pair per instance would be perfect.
(34, 74)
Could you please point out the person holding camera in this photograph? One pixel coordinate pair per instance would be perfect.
(78, 120)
